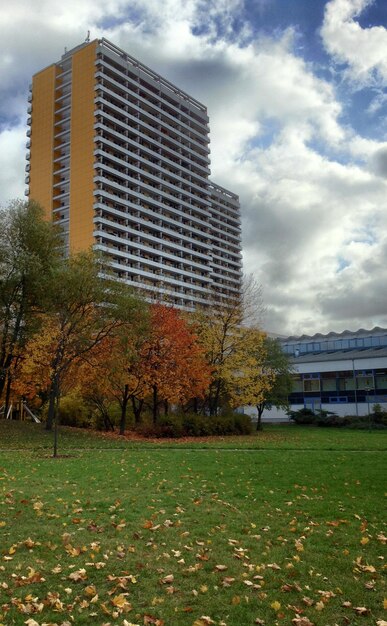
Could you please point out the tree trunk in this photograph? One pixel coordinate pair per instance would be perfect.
(56, 428)
(260, 409)
(56, 416)
(214, 402)
(137, 410)
(155, 404)
(108, 424)
(51, 407)
(7, 394)
(124, 405)
(166, 407)
(7, 354)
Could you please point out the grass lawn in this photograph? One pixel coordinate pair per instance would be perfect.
(287, 527)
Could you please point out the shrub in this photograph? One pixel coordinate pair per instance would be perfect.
(73, 411)
(196, 425)
(378, 415)
(325, 418)
(242, 424)
(366, 424)
(302, 416)
(193, 425)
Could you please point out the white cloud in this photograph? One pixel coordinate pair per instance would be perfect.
(12, 163)
(363, 49)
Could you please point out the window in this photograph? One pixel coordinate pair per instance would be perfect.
(381, 381)
(365, 382)
(311, 385)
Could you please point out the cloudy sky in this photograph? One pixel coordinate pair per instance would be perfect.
(296, 94)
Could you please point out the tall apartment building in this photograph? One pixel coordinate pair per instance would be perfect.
(119, 157)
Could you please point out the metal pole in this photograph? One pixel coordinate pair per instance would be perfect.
(367, 389)
(355, 385)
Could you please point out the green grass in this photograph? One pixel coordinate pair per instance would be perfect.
(299, 523)
(29, 436)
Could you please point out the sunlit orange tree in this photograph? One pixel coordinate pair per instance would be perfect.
(113, 372)
(173, 360)
(155, 363)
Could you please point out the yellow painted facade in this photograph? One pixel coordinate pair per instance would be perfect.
(42, 138)
(82, 149)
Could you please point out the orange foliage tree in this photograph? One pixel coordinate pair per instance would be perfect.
(113, 371)
(173, 362)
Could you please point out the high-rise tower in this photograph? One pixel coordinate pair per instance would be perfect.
(120, 158)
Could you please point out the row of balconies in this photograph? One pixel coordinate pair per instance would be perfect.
(154, 83)
(226, 232)
(155, 293)
(150, 131)
(141, 189)
(153, 142)
(136, 197)
(175, 108)
(157, 86)
(156, 177)
(159, 234)
(140, 146)
(163, 229)
(194, 262)
(141, 106)
(160, 121)
(152, 270)
(159, 165)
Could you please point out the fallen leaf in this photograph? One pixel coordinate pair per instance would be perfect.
(78, 575)
(167, 579)
(361, 610)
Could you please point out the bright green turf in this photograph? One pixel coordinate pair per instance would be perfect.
(310, 522)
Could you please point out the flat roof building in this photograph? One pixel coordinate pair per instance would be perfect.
(341, 372)
(119, 157)
(344, 373)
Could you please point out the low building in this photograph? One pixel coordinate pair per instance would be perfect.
(345, 373)
(341, 372)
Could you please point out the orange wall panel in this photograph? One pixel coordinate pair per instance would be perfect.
(42, 138)
(82, 148)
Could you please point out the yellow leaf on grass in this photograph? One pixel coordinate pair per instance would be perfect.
(121, 602)
(276, 605)
(364, 540)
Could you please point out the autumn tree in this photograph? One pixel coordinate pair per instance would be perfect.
(250, 381)
(84, 308)
(223, 330)
(277, 363)
(113, 371)
(29, 254)
(173, 362)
